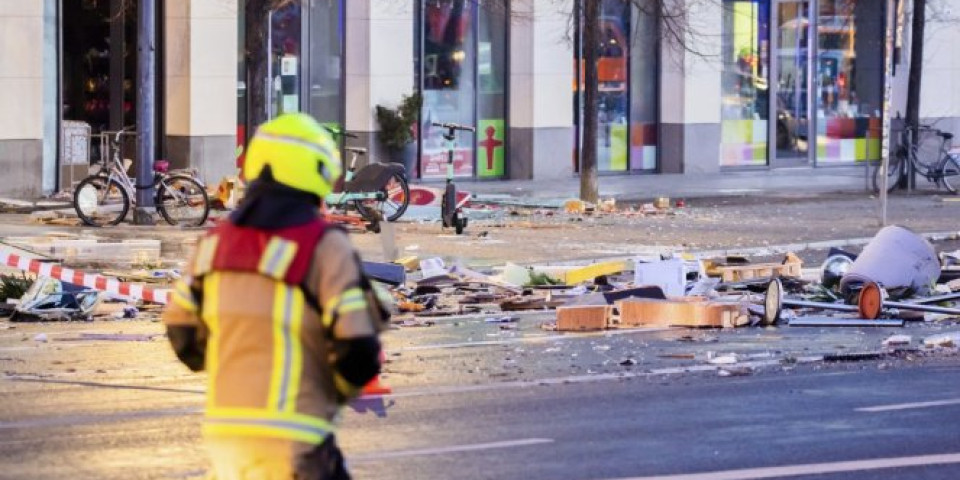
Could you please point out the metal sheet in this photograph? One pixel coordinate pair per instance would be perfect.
(842, 322)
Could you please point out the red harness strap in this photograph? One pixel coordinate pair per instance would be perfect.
(282, 254)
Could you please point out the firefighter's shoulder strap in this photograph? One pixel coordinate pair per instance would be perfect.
(283, 255)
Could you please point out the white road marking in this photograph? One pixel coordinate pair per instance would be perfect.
(909, 406)
(529, 339)
(576, 379)
(813, 468)
(451, 449)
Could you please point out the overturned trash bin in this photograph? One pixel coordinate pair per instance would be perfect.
(903, 262)
(49, 299)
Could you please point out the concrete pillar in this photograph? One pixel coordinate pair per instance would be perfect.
(690, 92)
(201, 85)
(22, 97)
(379, 63)
(541, 90)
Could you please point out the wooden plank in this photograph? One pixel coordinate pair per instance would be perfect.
(684, 312)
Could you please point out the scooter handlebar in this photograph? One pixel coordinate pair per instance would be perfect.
(455, 126)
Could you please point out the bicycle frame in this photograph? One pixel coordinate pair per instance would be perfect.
(335, 199)
(932, 171)
(116, 171)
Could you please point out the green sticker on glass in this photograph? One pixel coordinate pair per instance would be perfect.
(490, 148)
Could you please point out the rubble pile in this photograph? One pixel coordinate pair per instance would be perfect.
(897, 278)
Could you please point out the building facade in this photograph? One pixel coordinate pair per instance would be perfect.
(743, 84)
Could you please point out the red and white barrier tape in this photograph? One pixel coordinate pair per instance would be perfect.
(89, 280)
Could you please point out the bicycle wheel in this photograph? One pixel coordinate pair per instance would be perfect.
(951, 174)
(894, 171)
(182, 201)
(100, 201)
(396, 199)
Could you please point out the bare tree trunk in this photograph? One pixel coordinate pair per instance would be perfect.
(917, 26)
(255, 48)
(588, 150)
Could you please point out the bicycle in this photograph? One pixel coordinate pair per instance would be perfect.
(451, 212)
(944, 170)
(377, 191)
(105, 197)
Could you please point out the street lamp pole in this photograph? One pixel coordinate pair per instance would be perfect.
(146, 110)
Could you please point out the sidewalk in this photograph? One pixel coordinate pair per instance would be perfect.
(636, 187)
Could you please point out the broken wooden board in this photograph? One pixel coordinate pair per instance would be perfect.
(590, 272)
(583, 318)
(683, 312)
(759, 270)
(527, 303)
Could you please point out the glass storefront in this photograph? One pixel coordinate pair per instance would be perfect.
(305, 52)
(850, 80)
(842, 40)
(627, 68)
(744, 88)
(463, 80)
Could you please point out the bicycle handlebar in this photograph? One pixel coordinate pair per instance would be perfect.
(357, 150)
(339, 132)
(454, 126)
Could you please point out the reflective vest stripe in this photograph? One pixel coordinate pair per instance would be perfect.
(299, 142)
(277, 257)
(256, 422)
(211, 308)
(206, 250)
(287, 348)
(350, 300)
(252, 428)
(351, 306)
(183, 297)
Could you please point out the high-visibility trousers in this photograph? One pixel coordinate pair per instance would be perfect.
(237, 458)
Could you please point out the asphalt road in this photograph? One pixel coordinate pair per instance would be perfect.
(838, 422)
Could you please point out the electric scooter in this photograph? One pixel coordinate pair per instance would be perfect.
(450, 212)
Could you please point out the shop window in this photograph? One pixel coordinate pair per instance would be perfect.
(88, 78)
(462, 68)
(449, 89)
(627, 68)
(492, 100)
(285, 59)
(644, 66)
(849, 81)
(744, 82)
(326, 58)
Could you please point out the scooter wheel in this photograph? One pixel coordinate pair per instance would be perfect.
(459, 223)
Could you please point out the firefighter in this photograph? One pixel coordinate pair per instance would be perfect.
(275, 308)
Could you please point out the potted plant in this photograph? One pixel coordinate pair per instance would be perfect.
(397, 130)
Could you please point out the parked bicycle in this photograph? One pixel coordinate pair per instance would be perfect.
(378, 191)
(105, 197)
(937, 164)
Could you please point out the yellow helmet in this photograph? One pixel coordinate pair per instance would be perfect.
(301, 154)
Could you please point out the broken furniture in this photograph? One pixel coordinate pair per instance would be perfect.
(870, 304)
(790, 267)
(898, 259)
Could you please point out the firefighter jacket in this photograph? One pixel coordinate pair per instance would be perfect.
(263, 311)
